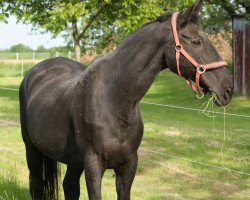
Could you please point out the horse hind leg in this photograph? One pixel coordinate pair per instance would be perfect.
(71, 183)
(43, 170)
(43, 175)
(33, 156)
(35, 165)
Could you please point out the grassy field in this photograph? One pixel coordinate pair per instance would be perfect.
(14, 69)
(169, 131)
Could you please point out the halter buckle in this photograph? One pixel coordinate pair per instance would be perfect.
(200, 69)
(178, 48)
(200, 95)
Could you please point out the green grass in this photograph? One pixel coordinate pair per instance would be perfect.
(14, 70)
(171, 131)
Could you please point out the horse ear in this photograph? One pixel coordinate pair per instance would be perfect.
(192, 13)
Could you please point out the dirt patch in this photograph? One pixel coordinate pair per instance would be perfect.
(212, 143)
(224, 189)
(4, 123)
(176, 169)
(172, 132)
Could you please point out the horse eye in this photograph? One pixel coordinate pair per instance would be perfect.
(196, 41)
(185, 36)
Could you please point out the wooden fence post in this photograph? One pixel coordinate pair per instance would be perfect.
(241, 56)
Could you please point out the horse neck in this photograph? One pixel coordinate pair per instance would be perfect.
(136, 62)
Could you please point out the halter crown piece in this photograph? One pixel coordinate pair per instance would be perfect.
(200, 68)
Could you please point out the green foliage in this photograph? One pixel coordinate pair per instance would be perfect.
(103, 23)
(93, 22)
(20, 48)
(41, 48)
(217, 12)
(240, 7)
(3, 11)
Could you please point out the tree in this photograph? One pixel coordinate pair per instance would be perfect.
(41, 48)
(219, 11)
(21, 48)
(99, 23)
(233, 7)
(3, 13)
(88, 23)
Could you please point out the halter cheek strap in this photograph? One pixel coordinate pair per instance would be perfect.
(200, 69)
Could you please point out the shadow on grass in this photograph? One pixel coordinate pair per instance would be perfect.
(11, 189)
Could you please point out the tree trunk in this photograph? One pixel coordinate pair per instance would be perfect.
(76, 38)
(78, 51)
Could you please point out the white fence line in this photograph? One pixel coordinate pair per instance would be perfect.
(10, 122)
(170, 156)
(13, 89)
(169, 106)
(33, 55)
(193, 161)
(193, 109)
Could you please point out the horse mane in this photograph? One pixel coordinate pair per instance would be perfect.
(135, 35)
(161, 18)
(164, 17)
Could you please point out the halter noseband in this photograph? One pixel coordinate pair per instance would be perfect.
(200, 69)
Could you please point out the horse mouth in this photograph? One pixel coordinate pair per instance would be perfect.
(217, 101)
(220, 100)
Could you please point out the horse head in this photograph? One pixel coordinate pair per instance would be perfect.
(193, 40)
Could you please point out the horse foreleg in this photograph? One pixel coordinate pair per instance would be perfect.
(71, 184)
(124, 178)
(94, 170)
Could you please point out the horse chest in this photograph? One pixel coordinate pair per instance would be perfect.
(118, 144)
(115, 152)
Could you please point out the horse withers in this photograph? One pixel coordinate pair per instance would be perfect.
(89, 118)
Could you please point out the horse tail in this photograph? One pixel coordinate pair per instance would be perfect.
(51, 173)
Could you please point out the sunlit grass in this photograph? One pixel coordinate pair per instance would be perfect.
(14, 70)
(176, 132)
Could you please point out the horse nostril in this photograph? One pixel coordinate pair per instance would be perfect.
(228, 93)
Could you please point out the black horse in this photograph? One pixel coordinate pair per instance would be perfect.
(89, 118)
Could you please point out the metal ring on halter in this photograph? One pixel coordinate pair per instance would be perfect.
(200, 95)
(201, 69)
(178, 47)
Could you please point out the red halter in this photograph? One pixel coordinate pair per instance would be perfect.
(200, 69)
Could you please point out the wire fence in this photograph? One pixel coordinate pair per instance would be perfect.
(194, 109)
(34, 55)
(160, 153)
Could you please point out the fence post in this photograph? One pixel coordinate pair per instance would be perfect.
(69, 55)
(16, 55)
(33, 56)
(57, 54)
(241, 55)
